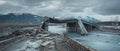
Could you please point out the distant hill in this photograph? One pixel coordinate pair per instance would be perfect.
(24, 18)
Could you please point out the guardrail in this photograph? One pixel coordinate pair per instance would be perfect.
(6, 43)
(75, 45)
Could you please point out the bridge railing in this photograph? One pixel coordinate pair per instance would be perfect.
(75, 45)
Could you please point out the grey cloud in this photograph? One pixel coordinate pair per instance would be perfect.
(28, 2)
(27, 6)
(79, 5)
(104, 7)
(6, 8)
(108, 7)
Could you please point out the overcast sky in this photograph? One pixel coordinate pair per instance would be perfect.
(100, 9)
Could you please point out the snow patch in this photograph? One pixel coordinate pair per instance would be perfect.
(30, 46)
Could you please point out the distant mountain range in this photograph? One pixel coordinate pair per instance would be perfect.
(24, 18)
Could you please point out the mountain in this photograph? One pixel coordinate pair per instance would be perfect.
(24, 18)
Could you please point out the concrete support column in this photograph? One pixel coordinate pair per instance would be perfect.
(72, 27)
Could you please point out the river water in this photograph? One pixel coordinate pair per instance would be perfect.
(57, 29)
(100, 41)
(97, 40)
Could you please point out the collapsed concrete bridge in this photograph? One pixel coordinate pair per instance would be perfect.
(73, 25)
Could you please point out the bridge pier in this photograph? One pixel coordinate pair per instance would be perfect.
(72, 27)
(89, 27)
